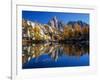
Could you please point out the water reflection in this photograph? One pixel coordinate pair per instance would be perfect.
(55, 55)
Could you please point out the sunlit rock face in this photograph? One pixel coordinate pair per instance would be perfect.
(55, 30)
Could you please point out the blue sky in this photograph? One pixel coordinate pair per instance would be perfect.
(44, 17)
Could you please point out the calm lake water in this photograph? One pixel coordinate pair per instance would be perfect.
(55, 55)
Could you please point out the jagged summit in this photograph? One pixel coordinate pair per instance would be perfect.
(79, 22)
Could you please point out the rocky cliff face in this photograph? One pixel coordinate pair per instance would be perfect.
(55, 30)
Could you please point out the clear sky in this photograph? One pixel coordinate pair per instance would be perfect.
(44, 17)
